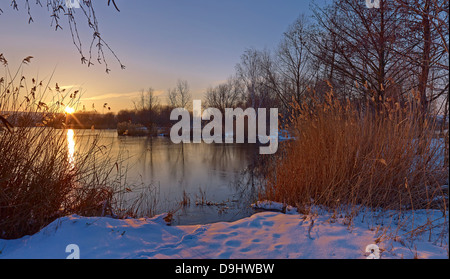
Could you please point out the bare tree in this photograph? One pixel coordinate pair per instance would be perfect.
(180, 96)
(58, 10)
(365, 47)
(250, 72)
(148, 101)
(147, 108)
(225, 95)
(387, 52)
(293, 71)
(428, 34)
(254, 73)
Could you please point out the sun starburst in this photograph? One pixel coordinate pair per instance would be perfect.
(69, 110)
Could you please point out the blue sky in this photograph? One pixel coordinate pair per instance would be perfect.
(158, 41)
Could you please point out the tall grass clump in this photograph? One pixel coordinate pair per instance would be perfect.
(348, 156)
(40, 179)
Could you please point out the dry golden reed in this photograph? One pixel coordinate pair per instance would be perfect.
(379, 155)
(38, 180)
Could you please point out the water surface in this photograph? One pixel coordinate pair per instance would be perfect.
(211, 177)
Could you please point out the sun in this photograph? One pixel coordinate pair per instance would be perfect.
(69, 110)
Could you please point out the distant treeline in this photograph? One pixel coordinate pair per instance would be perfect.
(88, 120)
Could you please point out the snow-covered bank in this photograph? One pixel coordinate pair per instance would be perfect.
(267, 235)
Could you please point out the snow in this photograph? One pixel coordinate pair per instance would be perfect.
(264, 235)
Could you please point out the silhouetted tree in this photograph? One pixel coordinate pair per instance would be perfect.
(58, 9)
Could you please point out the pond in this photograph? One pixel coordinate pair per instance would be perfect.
(201, 182)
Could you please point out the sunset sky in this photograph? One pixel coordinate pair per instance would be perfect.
(158, 41)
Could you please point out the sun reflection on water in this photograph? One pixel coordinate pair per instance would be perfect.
(71, 147)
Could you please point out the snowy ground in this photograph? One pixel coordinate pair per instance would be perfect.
(264, 235)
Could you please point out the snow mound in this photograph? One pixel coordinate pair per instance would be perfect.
(264, 235)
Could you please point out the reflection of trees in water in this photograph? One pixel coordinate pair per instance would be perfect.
(146, 155)
(176, 160)
(226, 156)
(240, 166)
(219, 157)
(154, 152)
(243, 161)
(249, 182)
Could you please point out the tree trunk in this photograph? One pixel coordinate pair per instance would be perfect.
(425, 63)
